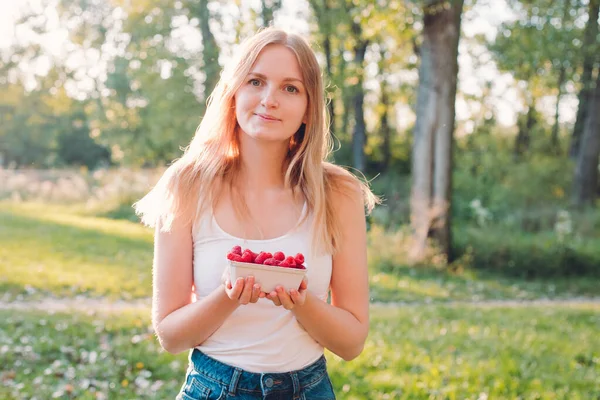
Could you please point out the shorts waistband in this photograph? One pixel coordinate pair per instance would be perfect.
(237, 379)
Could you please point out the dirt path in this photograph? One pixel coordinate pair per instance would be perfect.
(53, 305)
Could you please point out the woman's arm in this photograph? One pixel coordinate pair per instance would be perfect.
(343, 326)
(179, 323)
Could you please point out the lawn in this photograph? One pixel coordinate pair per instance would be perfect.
(416, 352)
(433, 339)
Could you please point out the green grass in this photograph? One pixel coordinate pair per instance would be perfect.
(49, 250)
(422, 284)
(57, 251)
(416, 352)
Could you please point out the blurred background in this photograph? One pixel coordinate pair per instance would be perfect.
(476, 121)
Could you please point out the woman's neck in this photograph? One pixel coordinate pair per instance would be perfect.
(262, 164)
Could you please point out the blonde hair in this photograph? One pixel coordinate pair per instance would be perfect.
(193, 182)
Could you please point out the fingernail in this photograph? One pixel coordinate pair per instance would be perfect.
(256, 287)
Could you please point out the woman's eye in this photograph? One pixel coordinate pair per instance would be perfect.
(254, 82)
(291, 89)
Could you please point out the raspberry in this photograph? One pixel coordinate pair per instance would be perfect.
(285, 264)
(279, 256)
(261, 257)
(299, 258)
(300, 266)
(251, 252)
(272, 261)
(235, 257)
(237, 250)
(290, 260)
(248, 257)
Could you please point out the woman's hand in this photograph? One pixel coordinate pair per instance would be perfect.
(294, 298)
(244, 291)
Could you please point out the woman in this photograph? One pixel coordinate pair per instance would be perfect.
(255, 176)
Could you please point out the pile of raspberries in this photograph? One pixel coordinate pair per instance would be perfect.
(276, 259)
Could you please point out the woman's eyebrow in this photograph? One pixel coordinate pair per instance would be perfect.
(261, 76)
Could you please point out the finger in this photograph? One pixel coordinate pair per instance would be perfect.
(236, 290)
(285, 299)
(247, 292)
(228, 284)
(303, 284)
(274, 298)
(255, 293)
(295, 296)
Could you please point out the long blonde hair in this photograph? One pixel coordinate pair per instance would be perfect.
(192, 183)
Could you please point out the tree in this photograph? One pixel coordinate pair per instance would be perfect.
(324, 15)
(359, 135)
(353, 36)
(434, 128)
(590, 48)
(269, 7)
(586, 171)
(152, 108)
(210, 51)
(540, 49)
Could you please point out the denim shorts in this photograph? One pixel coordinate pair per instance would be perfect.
(209, 379)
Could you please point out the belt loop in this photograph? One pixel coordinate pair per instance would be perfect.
(296, 384)
(237, 372)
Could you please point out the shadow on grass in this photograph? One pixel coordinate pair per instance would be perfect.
(42, 253)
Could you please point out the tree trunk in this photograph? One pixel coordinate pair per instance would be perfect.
(555, 140)
(586, 171)
(346, 94)
(326, 20)
(330, 102)
(384, 126)
(590, 48)
(523, 139)
(434, 128)
(210, 52)
(359, 136)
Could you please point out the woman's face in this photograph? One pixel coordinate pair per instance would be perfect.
(272, 101)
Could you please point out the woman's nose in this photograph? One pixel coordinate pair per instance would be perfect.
(269, 99)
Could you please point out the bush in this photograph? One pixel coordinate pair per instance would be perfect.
(519, 254)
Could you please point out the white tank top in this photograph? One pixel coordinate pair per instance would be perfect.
(258, 337)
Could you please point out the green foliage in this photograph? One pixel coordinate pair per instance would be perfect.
(512, 191)
(529, 256)
(543, 38)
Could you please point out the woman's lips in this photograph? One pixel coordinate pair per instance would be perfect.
(266, 118)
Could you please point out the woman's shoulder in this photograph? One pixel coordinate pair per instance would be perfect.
(340, 181)
(173, 200)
